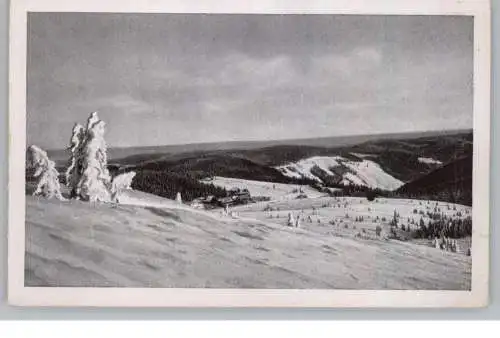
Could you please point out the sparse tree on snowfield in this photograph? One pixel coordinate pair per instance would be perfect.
(95, 182)
(45, 171)
(74, 171)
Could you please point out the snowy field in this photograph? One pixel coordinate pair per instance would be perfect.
(159, 243)
(348, 216)
(275, 191)
(365, 172)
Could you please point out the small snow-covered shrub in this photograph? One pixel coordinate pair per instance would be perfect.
(47, 184)
(178, 198)
(121, 183)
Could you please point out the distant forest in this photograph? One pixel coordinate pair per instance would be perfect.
(166, 174)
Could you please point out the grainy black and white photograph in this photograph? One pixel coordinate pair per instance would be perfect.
(254, 156)
(249, 151)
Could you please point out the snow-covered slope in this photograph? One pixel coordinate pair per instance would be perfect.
(78, 244)
(276, 191)
(344, 171)
(428, 160)
(302, 168)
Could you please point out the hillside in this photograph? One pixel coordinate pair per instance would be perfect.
(167, 177)
(217, 165)
(442, 146)
(384, 163)
(161, 244)
(341, 171)
(453, 182)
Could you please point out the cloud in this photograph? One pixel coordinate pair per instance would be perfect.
(191, 78)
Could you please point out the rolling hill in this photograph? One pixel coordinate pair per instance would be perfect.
(452, 182)
(385, 163)
(115, 153)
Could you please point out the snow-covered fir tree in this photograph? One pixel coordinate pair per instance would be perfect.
(95, 181)
(178, 198)
(87, 175)
(47, 184)
(74, 171)
(92, 120)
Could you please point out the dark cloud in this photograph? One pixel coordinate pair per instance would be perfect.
(163, 79)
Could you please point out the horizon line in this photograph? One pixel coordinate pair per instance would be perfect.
(286, 139)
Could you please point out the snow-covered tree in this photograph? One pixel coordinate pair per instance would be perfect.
(45, 171)
(95, 180)
(290, 222)
(92, 120)
(87, 175)
(178, 198)
(121, 183)
(74, 171)
(297, 221)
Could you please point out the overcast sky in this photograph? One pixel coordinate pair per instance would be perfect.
(173, 79)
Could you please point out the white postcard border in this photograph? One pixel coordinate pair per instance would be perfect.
(20, 295)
